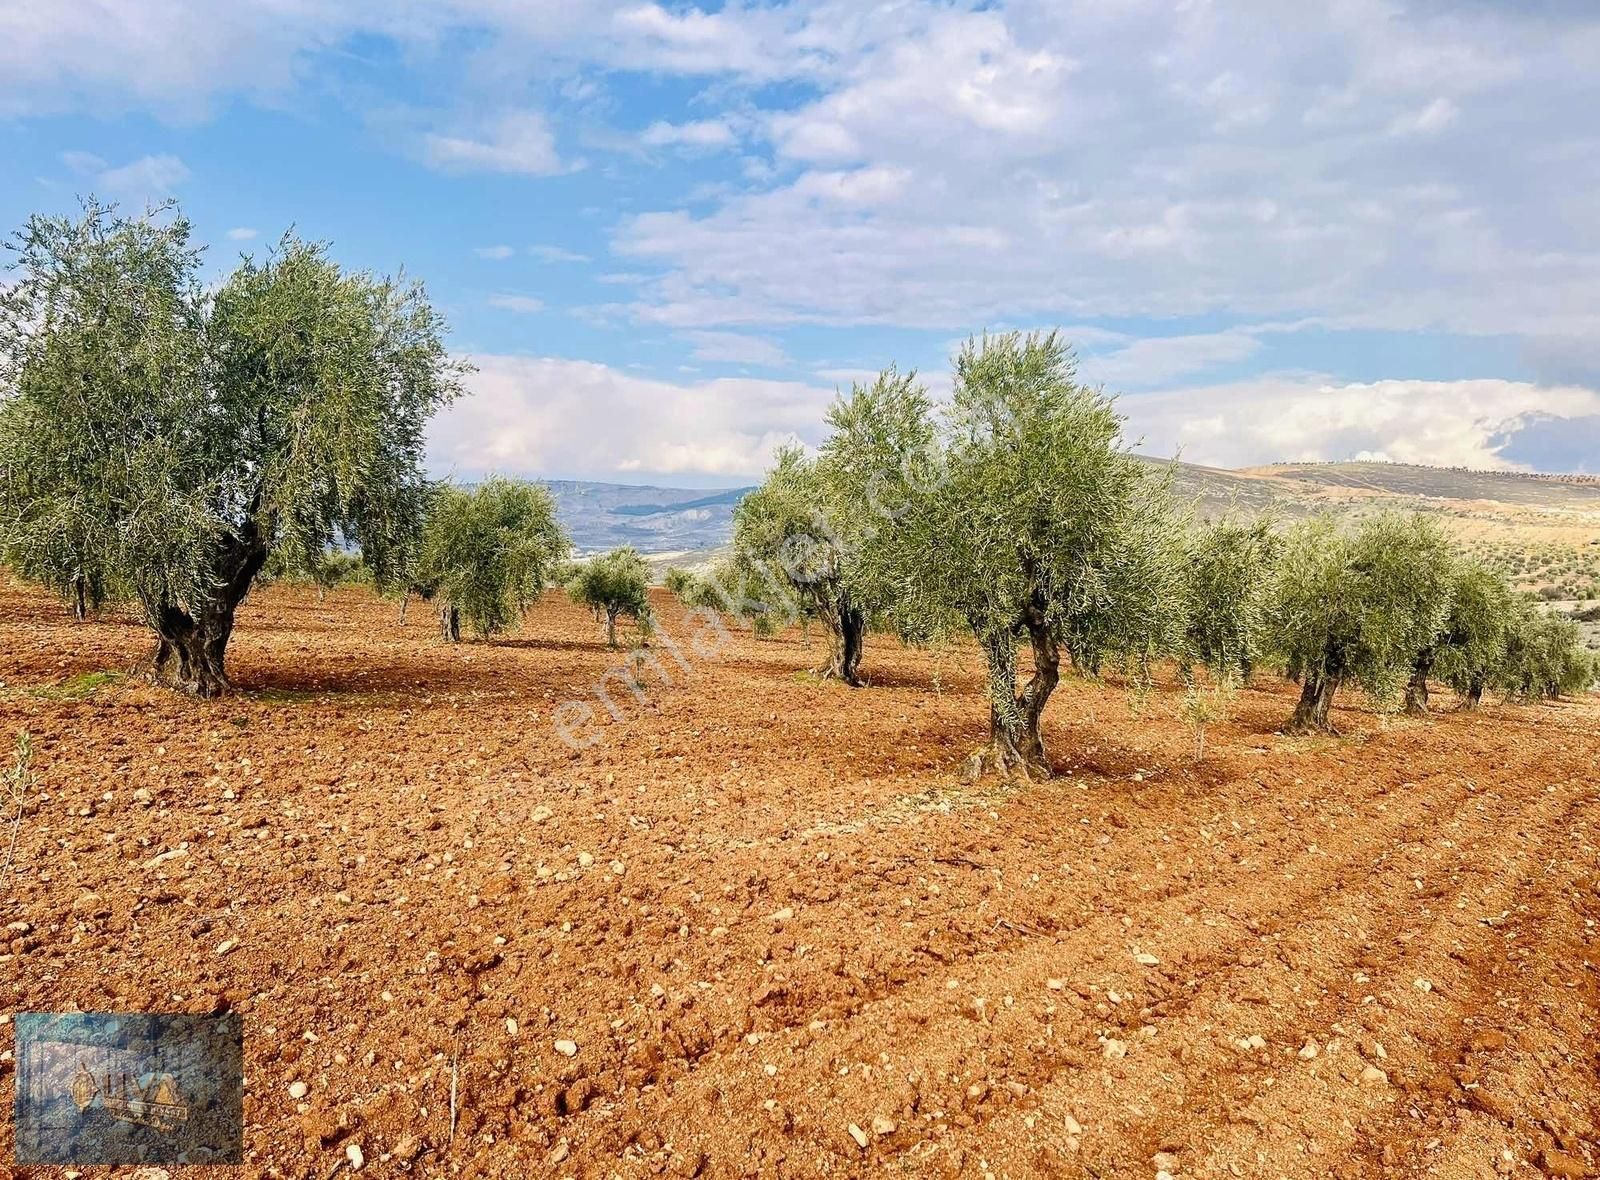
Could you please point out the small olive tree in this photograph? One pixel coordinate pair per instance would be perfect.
(334, 567)
(681, 583)
(487, 553)
(1229, 582)
(614, 585)
(785, 528)
(1355, 605)
(160, 440)
(1016, 515)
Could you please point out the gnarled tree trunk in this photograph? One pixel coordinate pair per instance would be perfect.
(1016, 744)
(847, 629)
(1473, 697)
(1417, 690)
(192, 644)
(80, 599)
(1316, 699)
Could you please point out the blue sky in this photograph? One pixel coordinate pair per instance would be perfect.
(667, 234)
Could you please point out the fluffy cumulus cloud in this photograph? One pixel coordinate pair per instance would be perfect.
(702, 133)
(1476, 424)
(1083, 159)
(547, 416)
(1406, 167)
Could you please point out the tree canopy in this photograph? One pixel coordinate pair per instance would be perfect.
(1356, 605)
(614, 585)
(1471, 650)
(487, 553)
(1017, 515)
(789, 528)
(159, 440)
(1229, 567)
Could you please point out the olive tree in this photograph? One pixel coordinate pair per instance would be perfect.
(1017, 515)
(786, 527)
(487, 553)
(1471, 650)
(681, 584)
(160, 439)
(1229, 582)
(614, 585)
(1545, 657)
(1355, 605)
(334, 567)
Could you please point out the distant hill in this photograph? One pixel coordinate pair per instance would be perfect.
(654, 520)
(1440, 483)
(1542, 530)
(601, 516)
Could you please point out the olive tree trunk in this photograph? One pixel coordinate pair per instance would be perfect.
(1417, 689)
(1316, 699)
(1016, 744)
(847, 629)
(1473, 697)
(449, 622)
(192, 644)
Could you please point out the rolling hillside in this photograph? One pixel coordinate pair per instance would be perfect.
(1543, 531)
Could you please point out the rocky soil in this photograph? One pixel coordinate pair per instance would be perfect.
(759, 928)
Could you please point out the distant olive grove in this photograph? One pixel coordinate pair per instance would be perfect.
(1016, 516)
(168, 444)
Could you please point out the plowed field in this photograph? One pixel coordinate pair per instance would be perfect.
(759, 928)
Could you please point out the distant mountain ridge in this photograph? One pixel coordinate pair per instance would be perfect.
(601, 516)
(694, 521)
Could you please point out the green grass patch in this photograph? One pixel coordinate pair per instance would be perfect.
(79, 687)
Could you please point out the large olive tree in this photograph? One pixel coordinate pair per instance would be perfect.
(487, 553)
(788, 527)
(1017, 515)
(159, 439)
(1355, 605)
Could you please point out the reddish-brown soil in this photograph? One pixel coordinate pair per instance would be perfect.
(765, 911)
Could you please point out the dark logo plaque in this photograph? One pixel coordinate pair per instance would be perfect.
(129, 1088)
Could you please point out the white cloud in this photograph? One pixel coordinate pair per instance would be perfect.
(704, 133)
(1156, 359)
(1076, 159)
(147, 177)
(519, 303)
(736, 348)
(83, 163)
(1308, 419)
(546, 416)
(494, 253)
(557, 254)
(1025, 160)
(519, 141)
(556, 417)
(241, 233)
(1436, 116)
